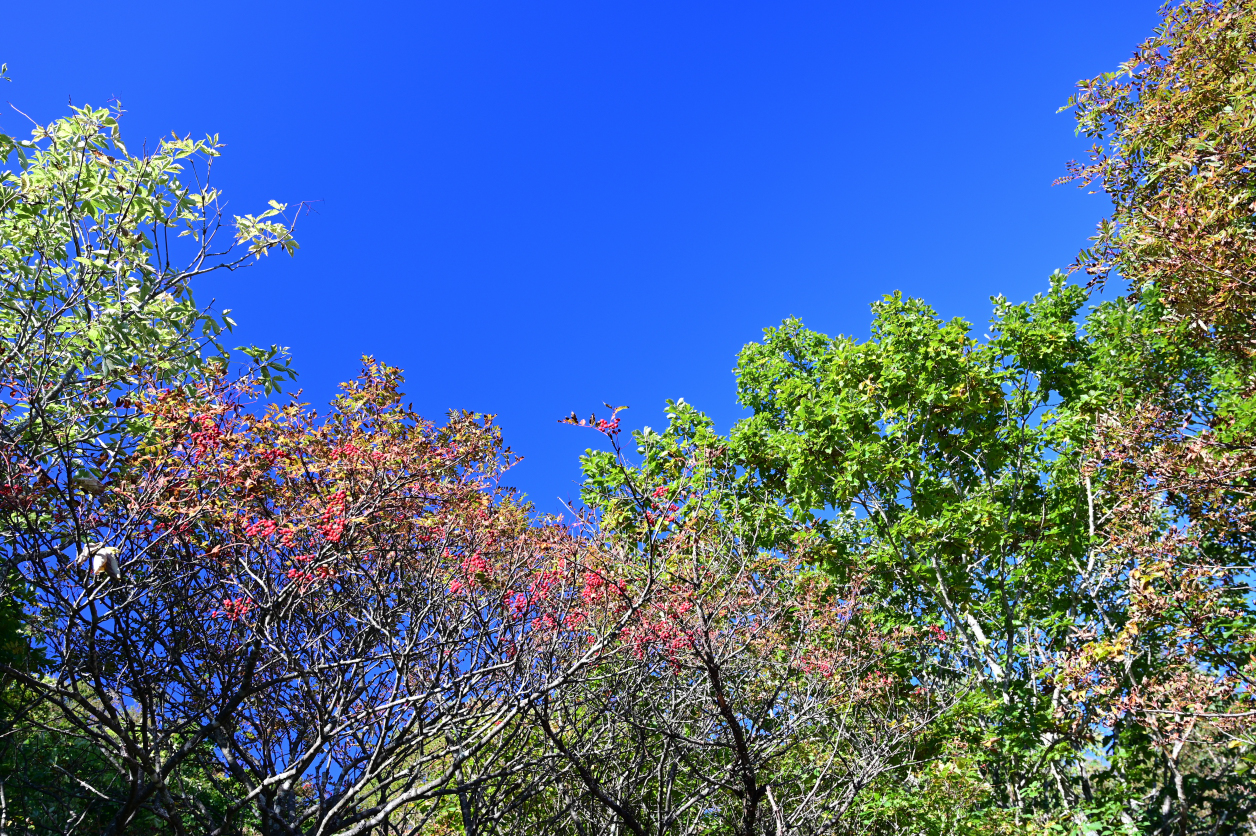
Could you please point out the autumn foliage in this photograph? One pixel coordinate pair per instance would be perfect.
(930, 583)
(337, 613)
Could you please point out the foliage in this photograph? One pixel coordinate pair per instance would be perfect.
(97, 251)
(750, 694)
(1176, 448)
(328, 618)
(1176, 129)
(951, 481)
(98, 247)
(932, 584)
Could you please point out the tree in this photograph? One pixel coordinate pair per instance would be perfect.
(950, 479)
(751, 694)
(1176, 446)
(97, 251)
(98, 248)
(336, 623)
(932, 584)
(936, 463)
(1174, 135)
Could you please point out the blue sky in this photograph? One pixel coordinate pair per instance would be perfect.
(535, 208)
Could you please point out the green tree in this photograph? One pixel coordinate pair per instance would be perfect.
(953, 477)
(98, 252)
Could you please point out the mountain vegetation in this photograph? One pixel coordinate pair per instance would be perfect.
(933, 583)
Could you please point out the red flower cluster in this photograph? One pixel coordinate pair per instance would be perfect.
(261, 528)
(233, 609)
(333, 523)
(204, 440)
(664, 637)
(13, 496)
(594, 588)
(307, 578)
(476, 566)
(346, 450)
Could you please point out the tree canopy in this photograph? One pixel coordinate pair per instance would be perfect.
(932, 583)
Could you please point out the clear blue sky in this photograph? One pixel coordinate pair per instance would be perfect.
(537, 207)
